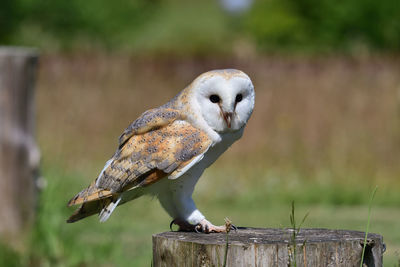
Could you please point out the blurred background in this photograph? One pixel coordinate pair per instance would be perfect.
(325, 130)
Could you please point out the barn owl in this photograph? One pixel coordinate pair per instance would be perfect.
(165, 151)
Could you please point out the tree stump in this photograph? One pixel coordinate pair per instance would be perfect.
(19, 155)
(267, 247)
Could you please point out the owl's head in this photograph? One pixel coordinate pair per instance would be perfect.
(225, 99)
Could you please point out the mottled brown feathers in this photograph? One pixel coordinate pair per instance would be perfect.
(154, 146)
(89, 208)
(164, 150)
(89, 194)
(149, 120)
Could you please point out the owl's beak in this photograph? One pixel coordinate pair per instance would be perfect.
(228, 118)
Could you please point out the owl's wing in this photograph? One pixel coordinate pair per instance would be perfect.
(150, 120)
(146, 156)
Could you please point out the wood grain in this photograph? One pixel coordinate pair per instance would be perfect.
(267, 247)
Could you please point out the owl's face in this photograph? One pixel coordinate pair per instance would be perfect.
(225, 99)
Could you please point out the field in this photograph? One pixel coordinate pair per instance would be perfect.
(324, 133)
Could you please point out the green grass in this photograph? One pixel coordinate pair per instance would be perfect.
(368, 222)
(295, 231)
(88, 242)
(9, 257)
(126, 237)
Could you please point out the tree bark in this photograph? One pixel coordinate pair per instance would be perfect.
(19, 155)
(267, 247)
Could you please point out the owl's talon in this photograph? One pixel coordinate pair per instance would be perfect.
(206, 227)
(202, 227)
(233, 227)
(170, 225)
(184, 226)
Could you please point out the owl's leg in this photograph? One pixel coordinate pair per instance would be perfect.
(180, 210)
(190, 219)
(187, 216)
(178, 202)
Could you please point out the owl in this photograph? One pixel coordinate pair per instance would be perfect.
(164, 152)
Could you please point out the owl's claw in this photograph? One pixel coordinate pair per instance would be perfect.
(170, 225)
(202, 227)
(206, 227)
(184, 226)
(233, 227)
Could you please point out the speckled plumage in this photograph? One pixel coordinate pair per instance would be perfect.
(165, 150)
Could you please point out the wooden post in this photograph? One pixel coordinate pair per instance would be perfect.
(19, 155)
(267, 247)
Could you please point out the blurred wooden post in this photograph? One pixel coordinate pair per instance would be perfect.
(267, 247)
(19, 155)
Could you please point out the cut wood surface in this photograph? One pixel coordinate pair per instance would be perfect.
(19, 155)
(267, 247)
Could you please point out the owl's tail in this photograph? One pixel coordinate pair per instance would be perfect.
(103, 206)
(98, 201)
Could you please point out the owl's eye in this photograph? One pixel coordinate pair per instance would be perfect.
(238, 98)
(214, 98)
